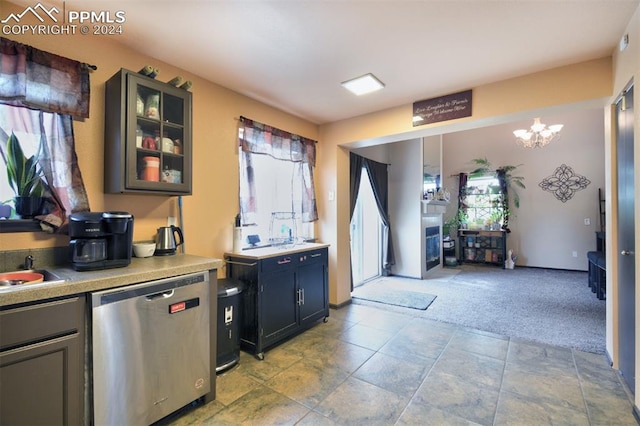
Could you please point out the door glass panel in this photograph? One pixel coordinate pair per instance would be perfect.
(366, 228)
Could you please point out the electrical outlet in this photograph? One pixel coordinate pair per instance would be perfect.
(587, 221)
(574, 253)
(332, 195)
(171, 221)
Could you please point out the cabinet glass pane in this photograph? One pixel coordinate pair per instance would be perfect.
(173, 109)
(172, 139)
(172, 168)
(146, 133)
(148, 102)
(148, 165)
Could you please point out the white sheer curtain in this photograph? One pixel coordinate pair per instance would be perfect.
(260, 139)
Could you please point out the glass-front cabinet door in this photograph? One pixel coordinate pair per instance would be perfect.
(148, 136)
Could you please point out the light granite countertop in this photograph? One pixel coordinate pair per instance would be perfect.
(266, 252)
(140, 270)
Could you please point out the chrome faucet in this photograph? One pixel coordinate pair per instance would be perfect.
(28, 262)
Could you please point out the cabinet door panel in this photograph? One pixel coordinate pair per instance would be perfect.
(312, 284)
(278, 304)
(41, 384)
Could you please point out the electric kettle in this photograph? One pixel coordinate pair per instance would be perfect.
(166, 243)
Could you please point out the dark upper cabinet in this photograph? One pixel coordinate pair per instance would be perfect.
(148, 146)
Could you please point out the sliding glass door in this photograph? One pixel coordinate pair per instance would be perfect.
(366, 225)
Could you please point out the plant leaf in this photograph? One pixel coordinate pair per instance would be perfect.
(23, 173)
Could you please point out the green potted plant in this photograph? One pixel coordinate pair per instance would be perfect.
(484, 168)
(25, 178)
(495, 218)
(449, 225)
(462, 219)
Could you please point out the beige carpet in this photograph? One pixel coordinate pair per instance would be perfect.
(543, 305)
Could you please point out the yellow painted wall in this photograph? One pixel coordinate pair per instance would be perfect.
(209, 213)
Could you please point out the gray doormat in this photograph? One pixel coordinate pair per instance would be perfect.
(378, 291)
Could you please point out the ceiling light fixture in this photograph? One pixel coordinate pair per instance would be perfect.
(362, 85)
(539, 135)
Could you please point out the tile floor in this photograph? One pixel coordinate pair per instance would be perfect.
(366, 366)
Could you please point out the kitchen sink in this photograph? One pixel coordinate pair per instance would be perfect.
(24, 278)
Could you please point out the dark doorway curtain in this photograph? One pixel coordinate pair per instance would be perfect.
(502, 180)
(355, 171)
(462, 198)
(378, 176)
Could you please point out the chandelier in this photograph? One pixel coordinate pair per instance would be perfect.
(539, 135)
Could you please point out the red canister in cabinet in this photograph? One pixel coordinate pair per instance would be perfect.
(151, 169)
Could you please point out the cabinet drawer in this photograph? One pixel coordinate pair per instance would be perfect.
(312, 256)
(278, 263)
(290, 260)
(31, 323)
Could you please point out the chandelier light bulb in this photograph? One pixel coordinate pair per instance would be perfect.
(537, 125)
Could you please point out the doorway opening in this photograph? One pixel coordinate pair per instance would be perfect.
(366, 235)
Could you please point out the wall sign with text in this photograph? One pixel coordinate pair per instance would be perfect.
(448, 107)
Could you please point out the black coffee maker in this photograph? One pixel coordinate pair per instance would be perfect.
(100, 240)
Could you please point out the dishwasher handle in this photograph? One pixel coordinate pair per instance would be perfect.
(152, 290)
(163, 294)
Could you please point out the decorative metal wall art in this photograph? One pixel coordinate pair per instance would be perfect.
(564, 183)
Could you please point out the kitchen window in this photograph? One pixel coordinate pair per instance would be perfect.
(276, 184)
(48, 136)
(40, 94)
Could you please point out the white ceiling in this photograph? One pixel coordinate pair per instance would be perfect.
(293, 55)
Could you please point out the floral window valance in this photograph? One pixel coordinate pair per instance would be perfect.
(258, 138)
(37, 79)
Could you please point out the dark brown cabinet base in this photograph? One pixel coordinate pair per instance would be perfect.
(42, 363)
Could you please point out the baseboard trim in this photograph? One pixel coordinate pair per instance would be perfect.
(553, 269)
(340, 305)
(609, 359)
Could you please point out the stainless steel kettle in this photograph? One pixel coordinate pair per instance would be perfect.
(166, 242)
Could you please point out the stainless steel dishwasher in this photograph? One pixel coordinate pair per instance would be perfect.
(150, 349)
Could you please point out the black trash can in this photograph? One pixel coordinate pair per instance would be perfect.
(229, 311)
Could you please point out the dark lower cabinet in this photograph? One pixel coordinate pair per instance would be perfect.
(41, 363)
(278, 306)
(284, 295)
(312, 288)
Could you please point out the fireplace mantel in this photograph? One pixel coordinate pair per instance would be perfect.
(434, 207)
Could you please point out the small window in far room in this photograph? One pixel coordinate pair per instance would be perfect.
(484, 201)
